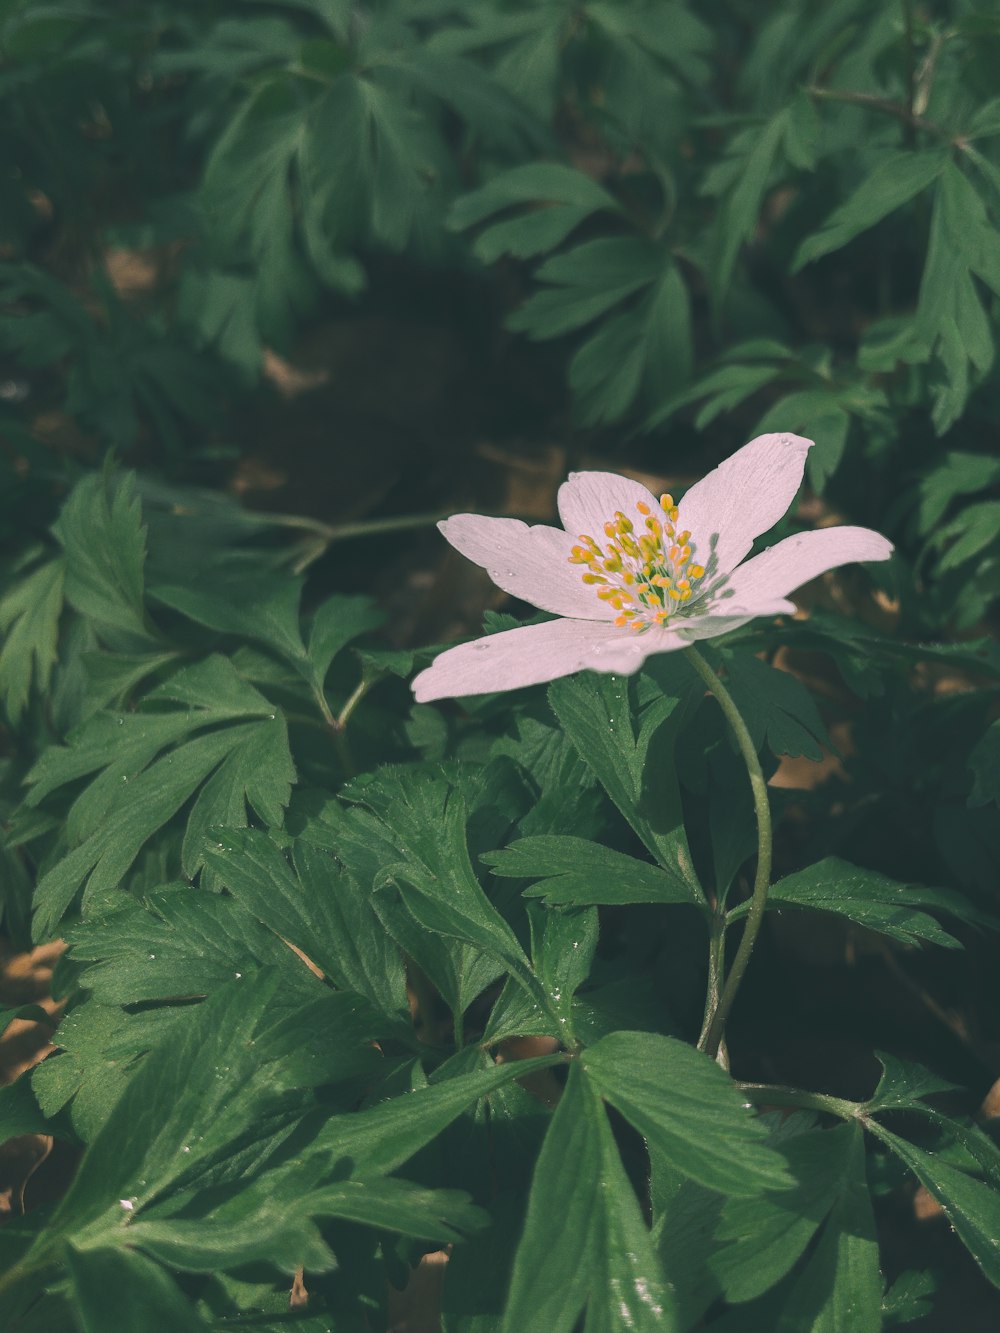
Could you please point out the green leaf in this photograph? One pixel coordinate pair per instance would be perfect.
(902, 1086)
(113, 676)
(891, 185)
(101, 532)
(767, 1232)
(754, 156)
(566, 197)
(266, 610)
(685, 1215)
(951, 322)
(975, 528)
(959, 474)
(544, 752)
(399, 1206)
(98, 1047)
(29, 622)
(584, 1242)
(633, 762)
(682, 1102)
(776, 706)
(562, 950)
(269, 1221)
(723, 389)
(317, 906)
(972, 1207)
(272, 1220)
(115, 1288)
(240, 601)
(871, 900)
(256, 160)
(840, 1288)
(909, 1297)
(383, 1137)
(457, 970)
(424, 816)
(367, 163)
(335, 624)
(144, 783)
(181, 942)
(221, 1079)
(576, 872)
(586, 282)
(645, 349)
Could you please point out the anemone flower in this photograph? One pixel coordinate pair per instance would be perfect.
(630, 575)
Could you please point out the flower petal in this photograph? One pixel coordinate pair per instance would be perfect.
(530, 562)
(714, 623)
(588, 499)
(741, 498)
(536, 653)
(781, 569)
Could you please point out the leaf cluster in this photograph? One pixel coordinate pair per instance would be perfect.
(293, 985)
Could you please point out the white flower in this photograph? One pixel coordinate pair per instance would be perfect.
(632, 575)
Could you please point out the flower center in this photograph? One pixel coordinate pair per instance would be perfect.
(644, 571)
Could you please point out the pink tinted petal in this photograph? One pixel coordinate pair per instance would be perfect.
(781, 569)
(536, 653)
(715, 622)
(588, 499)
(743, 497)
(530, 562)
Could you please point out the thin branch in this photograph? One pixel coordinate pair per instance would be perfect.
(714, 1033)
(885, 105)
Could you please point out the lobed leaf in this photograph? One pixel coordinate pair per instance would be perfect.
(971, 1206)
(892, 184)
(633, 762)
(585, 1244)
(682, 1102)
(871, 900)
(102, 535)
(29, 622)
(153, 762)
(576, 872)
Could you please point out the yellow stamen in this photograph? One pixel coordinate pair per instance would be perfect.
(644, 574)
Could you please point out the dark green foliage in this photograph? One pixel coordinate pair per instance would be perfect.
(309, 924)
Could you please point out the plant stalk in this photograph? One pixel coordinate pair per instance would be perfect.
(714, 1030)
(766, 1094)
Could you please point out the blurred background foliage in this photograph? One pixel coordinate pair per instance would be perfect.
(718, 220)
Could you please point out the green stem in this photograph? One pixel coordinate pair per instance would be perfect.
(885, 105)
(716, 1027)
(323, 535)
(766, 1094)
(716, 973)
(910, 60)
(353, 699)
